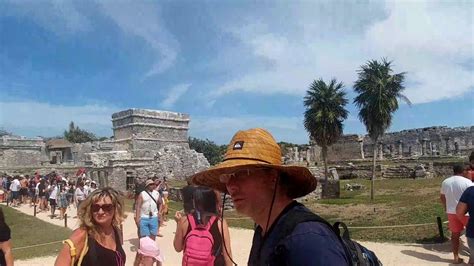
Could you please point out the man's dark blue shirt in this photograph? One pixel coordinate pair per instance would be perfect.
(310, 243)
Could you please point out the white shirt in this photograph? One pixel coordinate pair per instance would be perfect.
(452, 188)
(79, 194)
(15, 185)
(54, 192)
(148, 204)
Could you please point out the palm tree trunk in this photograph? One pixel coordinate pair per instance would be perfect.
(325, 159)
(373, 171)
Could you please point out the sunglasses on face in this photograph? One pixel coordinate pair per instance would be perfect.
(239, 174)
(104, 207)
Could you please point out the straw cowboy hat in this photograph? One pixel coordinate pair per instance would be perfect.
(256, 148)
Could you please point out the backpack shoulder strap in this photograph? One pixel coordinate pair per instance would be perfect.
(191, 221)
(210, 222)
(72, 250)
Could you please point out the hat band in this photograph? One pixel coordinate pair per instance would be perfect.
(246, 158)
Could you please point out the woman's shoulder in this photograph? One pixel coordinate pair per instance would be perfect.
(78, 236)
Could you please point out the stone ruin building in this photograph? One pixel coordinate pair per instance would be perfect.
(146, 143)
(413, 143)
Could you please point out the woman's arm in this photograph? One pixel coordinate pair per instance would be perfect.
(6, 247)
(181, 227)
(78, 237)
(226, 235)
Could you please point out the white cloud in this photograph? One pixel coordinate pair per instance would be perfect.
(429, 40)
(174, 94)
(24, 117)
(143, 19)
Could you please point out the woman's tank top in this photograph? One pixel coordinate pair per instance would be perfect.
(100, 255)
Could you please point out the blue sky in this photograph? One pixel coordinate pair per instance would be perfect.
(229, 64)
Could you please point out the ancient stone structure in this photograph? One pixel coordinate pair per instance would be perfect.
(413, 143)
(146, 143)
(18, 151)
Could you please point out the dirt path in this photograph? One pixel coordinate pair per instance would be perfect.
(389, 254)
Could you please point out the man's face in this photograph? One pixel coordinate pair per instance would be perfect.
(250, 189)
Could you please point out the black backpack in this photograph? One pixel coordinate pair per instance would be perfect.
(357, 254)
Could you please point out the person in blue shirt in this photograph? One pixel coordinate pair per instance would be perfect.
(265, 190)
(466, 204)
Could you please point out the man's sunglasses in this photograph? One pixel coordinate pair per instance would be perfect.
(104, 207)
(241, 173)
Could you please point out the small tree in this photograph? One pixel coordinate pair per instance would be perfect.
(77, 135)
(214, 153)
(378, 93)
(324, 115)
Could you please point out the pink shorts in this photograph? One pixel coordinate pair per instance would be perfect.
(456, 225)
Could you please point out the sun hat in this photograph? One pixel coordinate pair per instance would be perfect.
(149, 248)
(149, 182)
(256, 147)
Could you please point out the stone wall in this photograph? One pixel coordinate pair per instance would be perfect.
(440, 141)
(20, 151)
(139, 129)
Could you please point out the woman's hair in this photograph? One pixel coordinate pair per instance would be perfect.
(200, 201)
(85, 213)
(187, 193)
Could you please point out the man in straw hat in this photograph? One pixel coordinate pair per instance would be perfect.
(147, 209)
(264, 189)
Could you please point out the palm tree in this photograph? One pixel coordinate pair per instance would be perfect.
(324, 115)
(378, 93)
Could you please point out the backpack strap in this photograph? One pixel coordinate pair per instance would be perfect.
(210, 222)
(73, 250)
(191, 221)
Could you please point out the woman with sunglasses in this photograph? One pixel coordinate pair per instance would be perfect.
(97, 240)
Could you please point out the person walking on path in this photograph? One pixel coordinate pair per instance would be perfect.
(466, 204)
(97, 241)
(147, 211)
(264, 190)
(451, 190)
(79, 195)
(15, 190)
(53, 196)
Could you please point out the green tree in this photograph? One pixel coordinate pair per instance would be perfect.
(214, 153)
(378, 93)
(324, 114)
(77, 135)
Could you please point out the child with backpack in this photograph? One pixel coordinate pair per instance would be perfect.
(201, 234)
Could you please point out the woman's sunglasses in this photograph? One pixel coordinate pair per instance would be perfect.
(104, 207)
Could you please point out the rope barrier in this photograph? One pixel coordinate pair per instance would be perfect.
(38, 245)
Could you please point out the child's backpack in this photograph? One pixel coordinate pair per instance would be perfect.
(198, 244)
(357, 254)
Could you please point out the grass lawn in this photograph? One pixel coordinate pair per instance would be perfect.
(397, 202)
(27, 230)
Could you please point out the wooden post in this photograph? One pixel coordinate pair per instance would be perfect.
(34, 210)
(440, 228)
(65, 220)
